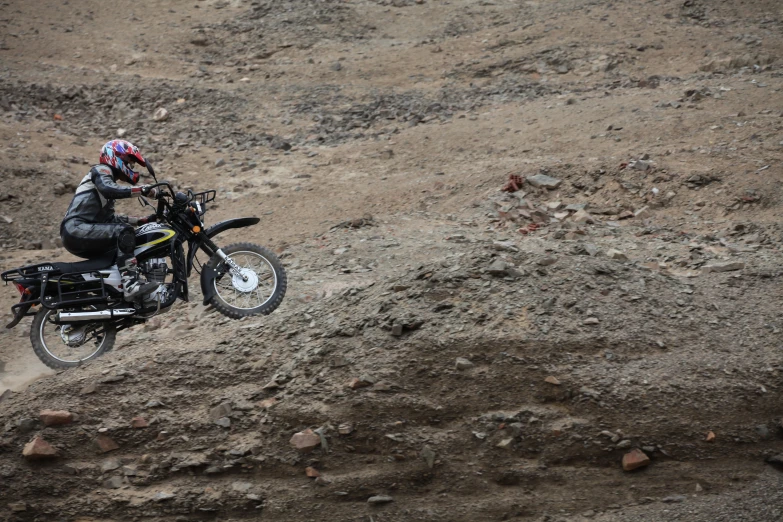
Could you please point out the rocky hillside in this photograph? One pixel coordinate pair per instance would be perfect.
(533, 256)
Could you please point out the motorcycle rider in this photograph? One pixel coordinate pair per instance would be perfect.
(91, 229)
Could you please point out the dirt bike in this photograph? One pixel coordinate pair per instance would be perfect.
(82, 306)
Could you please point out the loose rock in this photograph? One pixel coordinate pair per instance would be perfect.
(635, 459)
(139, 422)
(160, 114)
(724, 267)
(39, 449)
(305, 441)
(544, 181)
(105, 443)
(463, 364)
(380, 499)
(55, 417)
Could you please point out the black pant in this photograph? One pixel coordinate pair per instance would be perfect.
(91, 240)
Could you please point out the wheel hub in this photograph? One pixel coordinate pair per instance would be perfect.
(246, 281)
(73, 336)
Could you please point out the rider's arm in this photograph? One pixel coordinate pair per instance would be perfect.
(133, 220)
(104, 182)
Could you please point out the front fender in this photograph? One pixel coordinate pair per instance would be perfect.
(218, 228)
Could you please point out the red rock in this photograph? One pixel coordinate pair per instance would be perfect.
(139, 422)
(710, 437)
(357, 383)
(56, 417)
(106, 444)
(312, 472)
(39, 449)
(305, 441)
(634, 459)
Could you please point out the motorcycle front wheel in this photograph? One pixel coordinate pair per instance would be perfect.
(66, 346)
(258, 290)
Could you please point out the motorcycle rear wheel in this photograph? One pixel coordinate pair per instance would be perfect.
(50, 348)
(260, 294)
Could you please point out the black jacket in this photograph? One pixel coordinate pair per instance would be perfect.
(94, 199)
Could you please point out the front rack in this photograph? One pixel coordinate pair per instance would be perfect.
(204, 197)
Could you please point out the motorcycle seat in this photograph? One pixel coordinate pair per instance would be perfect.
(99, 263)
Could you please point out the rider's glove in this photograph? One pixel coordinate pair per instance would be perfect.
(152, 192)
(149, 219)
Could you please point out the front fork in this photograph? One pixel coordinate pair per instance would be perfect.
(209, 274)
(233, 267)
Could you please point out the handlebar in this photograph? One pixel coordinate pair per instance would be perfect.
(177, 198)
(163, 184)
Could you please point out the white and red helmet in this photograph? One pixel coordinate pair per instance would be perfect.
(121, 155)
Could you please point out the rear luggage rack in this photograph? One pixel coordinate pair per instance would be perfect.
(73, 292)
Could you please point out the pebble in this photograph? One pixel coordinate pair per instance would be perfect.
(723, 267)
(139, 422)
(160, 114)
(463, 364)
(113, 483)
(544, 181)
(582, 216)
(642, 213)
(27, 425)
(110, 465)
(220, 411)
(498, 268)
(380, 499)
(616, 255)
(105, 443)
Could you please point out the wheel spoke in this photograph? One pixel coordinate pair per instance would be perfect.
(246, 296)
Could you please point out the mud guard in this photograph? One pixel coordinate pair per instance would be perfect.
(216, 229)
(208, 276)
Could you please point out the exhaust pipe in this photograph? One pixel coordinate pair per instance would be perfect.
(99, 315)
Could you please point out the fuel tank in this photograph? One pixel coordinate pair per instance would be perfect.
(153, 239)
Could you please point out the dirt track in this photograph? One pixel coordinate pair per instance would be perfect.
(655, 309)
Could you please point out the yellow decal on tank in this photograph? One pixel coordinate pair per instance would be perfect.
(169, 234)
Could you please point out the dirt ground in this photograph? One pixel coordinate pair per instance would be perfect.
(464, 353)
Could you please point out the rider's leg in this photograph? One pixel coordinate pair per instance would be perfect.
(126, 262)
(89, 240)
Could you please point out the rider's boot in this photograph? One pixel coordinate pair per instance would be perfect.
(131, 285)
